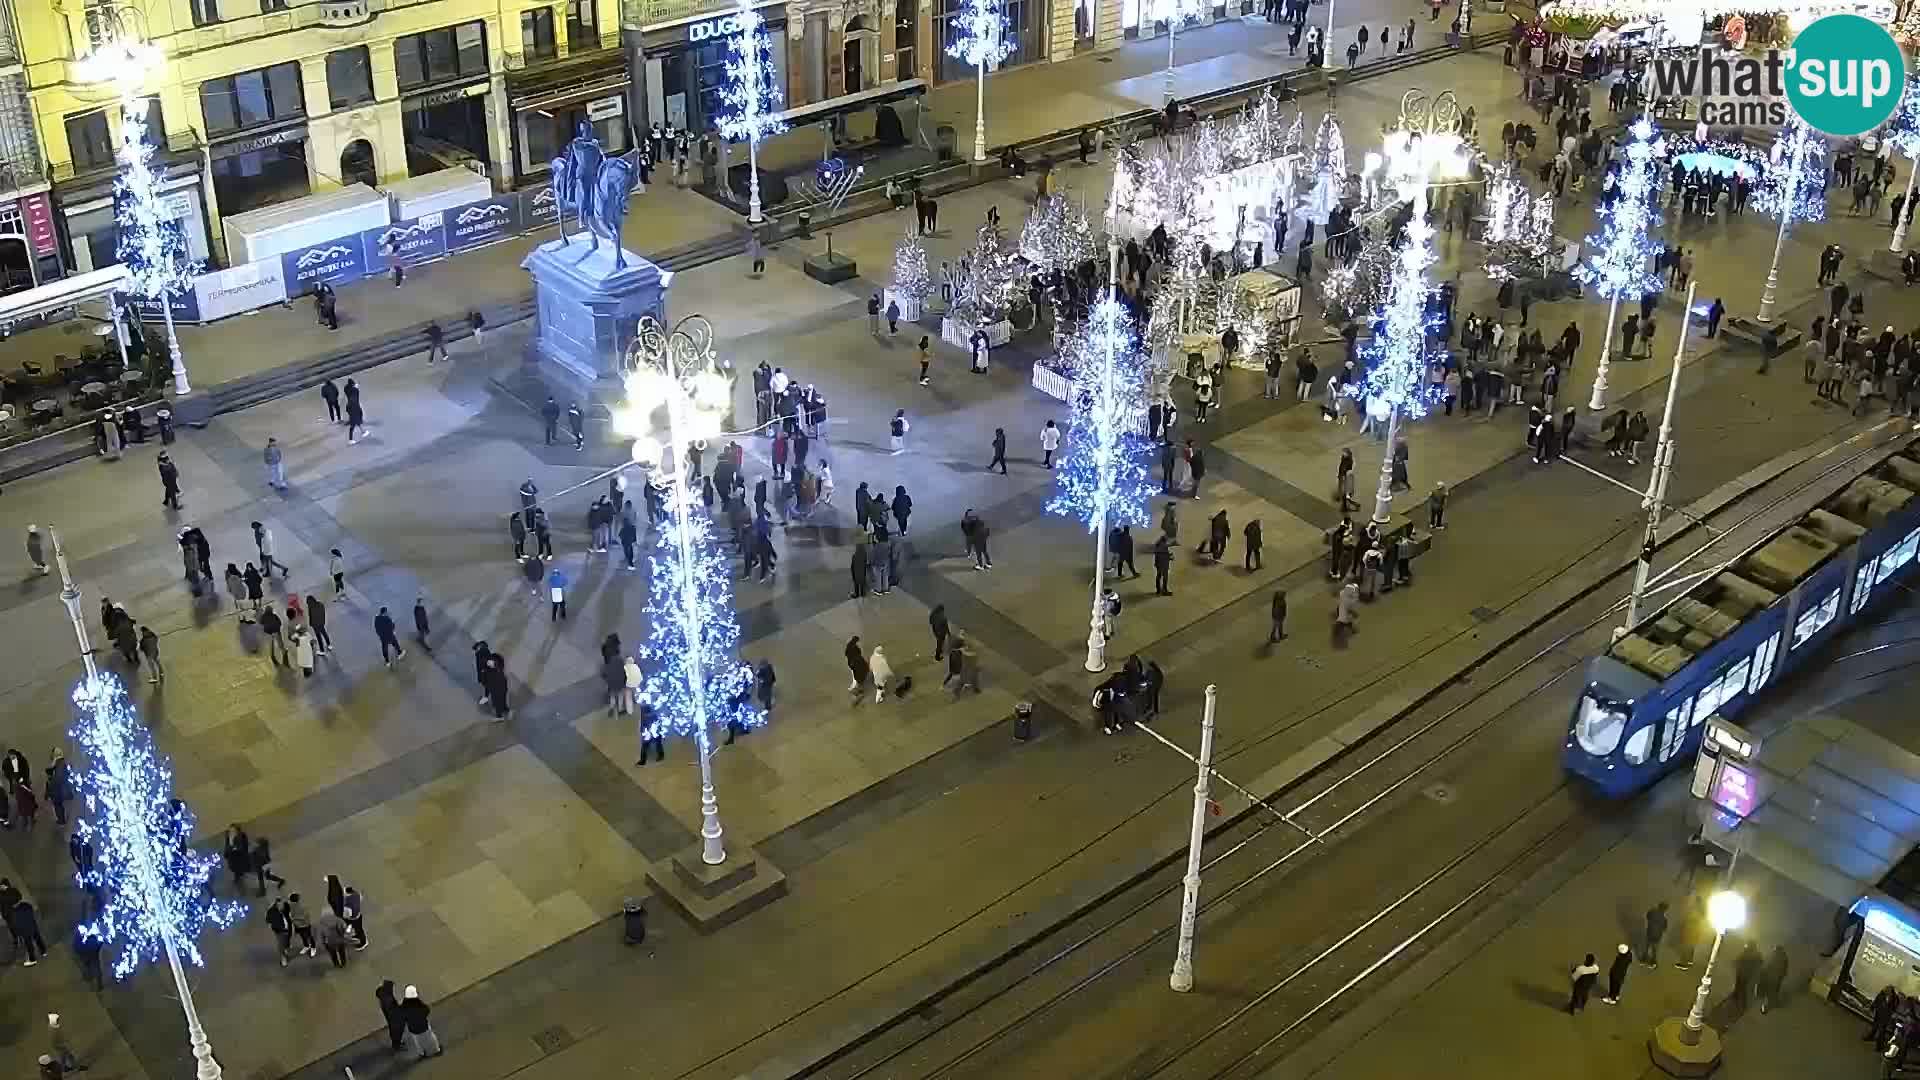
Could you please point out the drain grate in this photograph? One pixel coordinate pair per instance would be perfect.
(1484, 614)
(1440, 793)
(553, 1040)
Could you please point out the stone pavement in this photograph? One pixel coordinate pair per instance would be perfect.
(491, 855)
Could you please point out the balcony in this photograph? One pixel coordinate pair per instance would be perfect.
(583, 54)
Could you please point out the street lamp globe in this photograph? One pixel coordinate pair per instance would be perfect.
(1727, 911)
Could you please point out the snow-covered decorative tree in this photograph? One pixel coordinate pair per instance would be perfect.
(988, 281)
(149, 243)
(1519, 235)
(911, 278)
(1103, 473)
(1903, 134)
(1056, 236)
(1620, 260)
(151, 886)
(1328, 163)
(751, 96)
(1348, 292)
(1793, 188)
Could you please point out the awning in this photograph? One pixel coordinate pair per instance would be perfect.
(64, 293)
(847, 103)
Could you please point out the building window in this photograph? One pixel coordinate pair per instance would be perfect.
(349, 77)
(88, 141)
(906, 34)
(1021, 32)
(205, 12)
(252, 98)
(451, 52)
(536, 34)
(269, 6)
(583, 26)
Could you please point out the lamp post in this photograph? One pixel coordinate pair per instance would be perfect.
(147, 873)
(1770, 291)
(1655, 500)
(1789, 192)
(677, 371)
(1621, 250)
(1182, 977)
(1688, 1047)
(980, 39)
(750, 96)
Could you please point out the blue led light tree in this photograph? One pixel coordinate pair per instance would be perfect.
(1620, 265)
(696, 684)
(1103, 478)
(750, 99)
(1793, 189)
(1903, 132)
(980, 38)
(150, 887)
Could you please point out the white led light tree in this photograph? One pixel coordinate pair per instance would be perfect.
(1621, 261)
(1903, 133)
(980, 38)
(750, 99)
(1793, 189)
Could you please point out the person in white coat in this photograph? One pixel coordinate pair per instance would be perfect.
(1049, 442)
(632, 670)
(303, 651)
(882, 674)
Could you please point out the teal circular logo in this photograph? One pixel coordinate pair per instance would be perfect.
(1846, 75)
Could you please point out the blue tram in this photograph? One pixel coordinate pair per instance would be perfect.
(1715, 647)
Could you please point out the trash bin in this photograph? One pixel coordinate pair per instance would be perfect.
(1023, 721)
(945, 139)
(803, 224)
(164, 418)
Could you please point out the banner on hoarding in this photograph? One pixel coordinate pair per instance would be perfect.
(338, 260)
(411, 241)
(240, 288)
(484, 222)
(186, 308)
(539, 208)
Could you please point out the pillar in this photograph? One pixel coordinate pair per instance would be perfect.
(836, 52)
(1108, 34)
(1060, 30)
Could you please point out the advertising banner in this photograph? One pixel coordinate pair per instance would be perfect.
(342, 259)
(411, 241)
(539, 208)
(241, 288)
(186, 308)
(483, 222)
(38, 214)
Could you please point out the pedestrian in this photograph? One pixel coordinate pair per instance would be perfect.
(1617, 974)
(897, 431)
(169, 481)
(330, 394)
(1217, 532)
(59, 784)
(495, 683)
(280, 921)
(1583, 976)
(276, 465)
(757, 252)
(150, 648)
(270, 628)
(390, 1012)
(1049, 442)
(436, 342)
(337, 569)
(301, 640)
(1746, 974)
(390, 647)
(893, 318)
(1162, 565)
(417, 1015)
(577, 424)
(59, 1047)
(37, 552)
(1772, 977)
(937, 622)
(262, 862)
(882, 673)
(550, 416)
(557, 594)
(1437, 506)
(1347, 607)
(302, 924)
(1252, 560)
(999, 458)
(902, 507)
(332, 930)
(873, 315)
(87, 947)
(1198, 463)
(1278, 631)
(317, 623)
(857, 665)
(356, 419)
(1343, 481)
(1656, 929)
(263, 540)
(26, 805)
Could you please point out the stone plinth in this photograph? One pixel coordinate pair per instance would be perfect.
(1675, 1058)
(713, 896)
(588, 310)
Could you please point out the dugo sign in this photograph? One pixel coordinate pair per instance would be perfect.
(1843, 76)
(709, 29)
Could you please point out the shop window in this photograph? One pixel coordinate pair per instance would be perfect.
(451, 52)
(205, 12)
(583, 25)
(349, 77)
(88, 141)
(156, 124)
(536, 34)
(1815, 618)
(906, 34)
(252, 98)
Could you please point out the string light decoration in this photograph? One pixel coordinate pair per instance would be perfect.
(1621, 263)
(988, 279)
(1351, 290)
(749, 98)
(1399, 357)
(1056, 236)
(1902, 133)
(1103, 476)
(1794, 186)
(1519, 234)
(911, 278)
(980, 39)
(152, 886)
(149, 243)
(1328, 163)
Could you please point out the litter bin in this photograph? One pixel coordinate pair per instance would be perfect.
(803, 224)
(945, 140)
(164, 418)
(1023, 721)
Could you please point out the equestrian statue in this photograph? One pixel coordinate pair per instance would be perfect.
(595, 187)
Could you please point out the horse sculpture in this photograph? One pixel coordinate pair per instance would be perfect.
(595, 188)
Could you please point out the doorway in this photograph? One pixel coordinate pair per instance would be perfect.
(1086, 16)
(356, 165)
(16, 264)
(856, 78)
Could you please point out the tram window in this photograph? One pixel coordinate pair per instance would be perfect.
(1763, 663)
(1815, 618)
(1898, 556)
(1863, 580)
(1638, 744)
(1674, 730)
(1600, 725)
(1734, 682)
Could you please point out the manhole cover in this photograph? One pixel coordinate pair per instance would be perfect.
(1106, 59)
(1439, 793)
(553, 1040)
(1484, 614)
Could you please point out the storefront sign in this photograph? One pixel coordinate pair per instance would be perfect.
(444, 97)
(605, 108)
(709, 29)
(240, 288)
(409, 241)
(343, 259)
(186, 308)
(482, 222)
(37, 210)
(539, 208)
(236, 147)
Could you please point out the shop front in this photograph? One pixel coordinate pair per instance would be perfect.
(686, 65)
(86, 207)
(1026, 31)
(548, 113)
(445, 127)
(255, 168)
(29, 246)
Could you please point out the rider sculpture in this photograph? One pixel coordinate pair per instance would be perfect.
(595, 188)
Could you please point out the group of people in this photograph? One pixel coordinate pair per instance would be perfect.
(19, 803)
(1841, 358)
(1757, 978)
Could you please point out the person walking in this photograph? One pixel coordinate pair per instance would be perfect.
(902, 507)
(1582, 977)
(495, 683)
(263, 540)
(422, 629)
(1746, 973)
(897, 431)
(1120, 546)
(276, 465)
(332, 931)
(882, 673)
(390, 647)
(418, 1017)
(436, 343)
(1343, 481)
(937, 622)
(1437, 506)
(1278, 631)
(1049, 442)
(37, 551)
(757, 253)
(301, 639)
(302, 924)
(396, 1021)
(1252, 559)
(999, 458)
(330, 394)
(169, 481)
(1617, 974)
(924, 353)
(873, 315)
(337, 570)
(557, 594)
(262, 862)
(150, 648)
(270, 628)
(1656, 929)
(317, 622)
(356, 419)
(577, 425)
(280, 921)
(1773, 976)
(1218, 529)
(857, 665)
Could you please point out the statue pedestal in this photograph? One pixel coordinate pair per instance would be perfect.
(587, 310)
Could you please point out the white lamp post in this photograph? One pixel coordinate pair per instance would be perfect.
(980, 39)
(750, 96)
(1787, 193)
(1655, 499)
(1182, 977)
(1688, 1047)
(1622, 249)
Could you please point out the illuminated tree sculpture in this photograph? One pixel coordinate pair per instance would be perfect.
(1620, 265)
(980, 38)
(1351, 290)
(1903, 133)
(1056, 236)
(750, 97)
(697, 684)
(1519, 235)
(911, 279)
(150, 243)
(1328, 160)
(1103, 478)
(989, 278)
(1395, 386)
(1793, 189)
